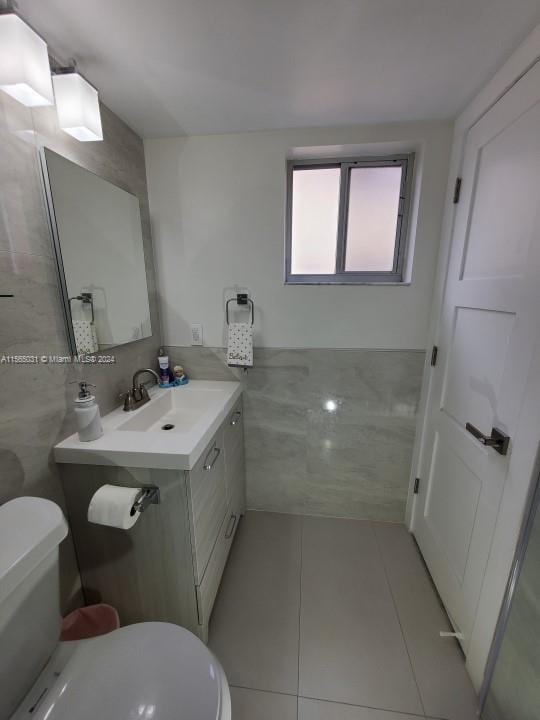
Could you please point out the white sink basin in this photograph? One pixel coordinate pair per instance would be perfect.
(182, 407)
(169, 432)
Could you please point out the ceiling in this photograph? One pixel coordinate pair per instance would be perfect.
(175, 67)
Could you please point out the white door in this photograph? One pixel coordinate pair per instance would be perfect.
(489, 323)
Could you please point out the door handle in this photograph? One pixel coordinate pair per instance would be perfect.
(235, 419)
(498, 440)
(208, 465)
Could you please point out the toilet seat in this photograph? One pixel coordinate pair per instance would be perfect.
(149, 671)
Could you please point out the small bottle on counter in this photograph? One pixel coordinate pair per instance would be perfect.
(87, 416)
(166, 375)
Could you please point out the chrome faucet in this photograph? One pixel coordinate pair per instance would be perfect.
(138, 395)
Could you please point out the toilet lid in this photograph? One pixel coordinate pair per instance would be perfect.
(149, 671)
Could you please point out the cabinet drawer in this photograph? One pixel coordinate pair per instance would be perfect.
(234, 456)
(236, 477)
(207, 590)
(208, 502)
(234, 426)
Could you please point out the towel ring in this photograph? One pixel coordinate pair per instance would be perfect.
(240, 299)
(86, 299)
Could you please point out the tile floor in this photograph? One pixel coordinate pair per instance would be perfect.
(325, 619)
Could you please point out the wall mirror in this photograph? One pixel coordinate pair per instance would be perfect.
(97, 235)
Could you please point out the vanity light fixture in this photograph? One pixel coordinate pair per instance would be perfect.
(25, 72)
(77, 105)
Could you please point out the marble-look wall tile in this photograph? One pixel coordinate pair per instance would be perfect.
(37, 400)
(327, 432)
(21, 206)
(203, 363)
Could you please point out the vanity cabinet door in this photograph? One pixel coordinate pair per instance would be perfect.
(235, 472)
(208, 497)
(233, 432)
(208, 588)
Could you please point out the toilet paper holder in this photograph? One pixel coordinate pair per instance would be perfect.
(149, 495)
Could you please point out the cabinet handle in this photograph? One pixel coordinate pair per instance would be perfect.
(236, 417)
(230, 526)
(208, 465)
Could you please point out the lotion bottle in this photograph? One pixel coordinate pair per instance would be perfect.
(87, 416)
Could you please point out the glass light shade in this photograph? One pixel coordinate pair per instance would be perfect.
(77, 105)
(25, 73)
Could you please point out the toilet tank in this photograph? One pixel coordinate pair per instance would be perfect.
(31, 530)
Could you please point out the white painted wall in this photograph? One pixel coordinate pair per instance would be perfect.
(217, 205)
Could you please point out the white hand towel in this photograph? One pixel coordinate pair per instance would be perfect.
(85, 336)
(240, 345)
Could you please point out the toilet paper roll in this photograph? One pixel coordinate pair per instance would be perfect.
(113, 506)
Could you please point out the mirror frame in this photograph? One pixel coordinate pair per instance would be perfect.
(53, 228)
(57, 250)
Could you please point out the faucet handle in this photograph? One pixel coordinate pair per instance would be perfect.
(129, 401)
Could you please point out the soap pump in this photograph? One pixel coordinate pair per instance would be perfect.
(87, 415)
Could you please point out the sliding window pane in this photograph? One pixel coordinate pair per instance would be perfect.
(315, 201)
(372, 219)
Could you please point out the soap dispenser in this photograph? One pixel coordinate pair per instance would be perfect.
(87, 415)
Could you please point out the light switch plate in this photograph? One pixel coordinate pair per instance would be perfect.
(196, 334)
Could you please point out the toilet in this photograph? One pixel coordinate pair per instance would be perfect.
(147, 671)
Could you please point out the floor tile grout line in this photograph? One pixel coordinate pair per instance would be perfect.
(385, 571)
(422, 716)
(335, 702)
(299, 612)
(268, 692)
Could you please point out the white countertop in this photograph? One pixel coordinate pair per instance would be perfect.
(135, 439)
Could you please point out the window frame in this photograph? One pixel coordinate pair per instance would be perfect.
(342, 276)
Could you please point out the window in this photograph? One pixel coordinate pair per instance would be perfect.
(347, 220)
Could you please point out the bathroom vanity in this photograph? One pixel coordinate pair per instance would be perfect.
(188, 442)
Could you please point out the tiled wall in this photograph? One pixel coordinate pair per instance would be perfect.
(36, 400)
(328, 432)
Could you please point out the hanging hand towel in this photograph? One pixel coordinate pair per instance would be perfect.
(85, 336)
(240, 345)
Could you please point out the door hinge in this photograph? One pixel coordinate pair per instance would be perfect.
(457, 190)
(416, 486)
(434, 353)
